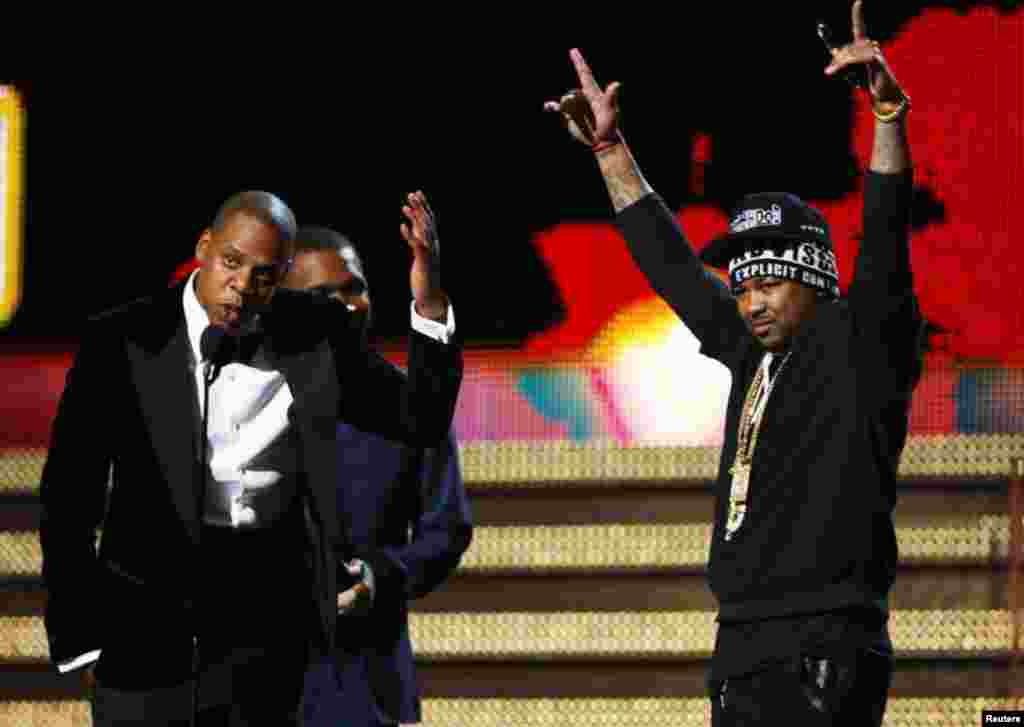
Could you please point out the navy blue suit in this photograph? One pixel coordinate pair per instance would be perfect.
(409, 505)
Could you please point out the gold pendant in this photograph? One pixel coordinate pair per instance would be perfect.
(740, 481)
(737, 497)
(736, 512)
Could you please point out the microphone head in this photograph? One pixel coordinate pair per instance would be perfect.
(217, 345)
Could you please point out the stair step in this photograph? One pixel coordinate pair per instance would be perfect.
(925, 588)
(569, 712)
(944, 588)
(541, 464)
(580, 679)
(964, 539)
(616, 635)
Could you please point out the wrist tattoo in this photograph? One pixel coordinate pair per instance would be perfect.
(626, 185)
(890, 152)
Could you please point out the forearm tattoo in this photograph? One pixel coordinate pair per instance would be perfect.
(622, 176)
(891, 152)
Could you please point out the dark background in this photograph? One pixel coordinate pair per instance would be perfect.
(133, 143)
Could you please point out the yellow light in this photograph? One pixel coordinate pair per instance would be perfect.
(12, 124)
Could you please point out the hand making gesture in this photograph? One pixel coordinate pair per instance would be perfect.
(591, 115)
(887, 96)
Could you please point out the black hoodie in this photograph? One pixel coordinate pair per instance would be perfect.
(818, 533)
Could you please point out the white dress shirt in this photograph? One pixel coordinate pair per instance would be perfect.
(251, 450)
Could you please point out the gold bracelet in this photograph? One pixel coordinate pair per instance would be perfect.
(897, 113)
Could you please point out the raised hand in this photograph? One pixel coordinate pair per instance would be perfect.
(882, 83)
(592, 115)
(425, 275)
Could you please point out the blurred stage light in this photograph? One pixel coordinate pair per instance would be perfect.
(12, 125)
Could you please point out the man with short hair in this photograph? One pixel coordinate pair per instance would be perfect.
(326, 263)
(221, 560)
(406, 502)
(803, 551)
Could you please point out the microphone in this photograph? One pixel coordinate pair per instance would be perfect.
(217, 348)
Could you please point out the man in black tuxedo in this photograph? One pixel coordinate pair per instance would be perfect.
(224, 558)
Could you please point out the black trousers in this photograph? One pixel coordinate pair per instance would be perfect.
(812, 691)
(253, 624)
(240, 686)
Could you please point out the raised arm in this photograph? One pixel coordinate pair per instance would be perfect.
(655, 239)
(890, 153)
(435, 360)
(882, 293)
(417, 410)
(592, 117)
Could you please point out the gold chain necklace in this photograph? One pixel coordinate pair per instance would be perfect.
(746, 442)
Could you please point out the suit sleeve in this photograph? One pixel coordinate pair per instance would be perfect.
(416, 409)
(661, 251)
(73, 492)
(888, 321)
(443, 530)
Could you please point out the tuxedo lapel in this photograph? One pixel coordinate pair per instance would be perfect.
(162, 366)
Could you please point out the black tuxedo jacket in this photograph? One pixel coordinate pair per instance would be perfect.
(129, 417)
